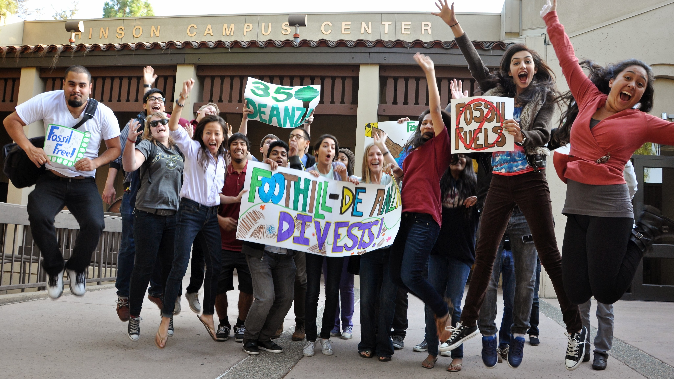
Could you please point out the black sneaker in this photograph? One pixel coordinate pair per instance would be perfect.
(133, 329)
(222, 334)
(575, 349)
(533, 340)
(398, 342)
(270, 346)
(251, 348)
(170, 329)
(239, 330)
(460, 334)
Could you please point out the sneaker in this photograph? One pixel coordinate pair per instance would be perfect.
(335, 333)
(502, 352)
(398, 342)
(270, 346)
(157, 300)
(533, 340)
(298, 335)
(239, 330)
(134, 328)
(489, 351)
(460, 334)
(575, 349)
(347, 334)
(55, 285)
(251, 347)
(170, 328)
(78, 283)
(516, 352)
(193, 301)
(309, 349)
(326, 346)
(446, 353)
(421, 347)
(586, 357)
(177, 308)
(123, 308)
(222, 334)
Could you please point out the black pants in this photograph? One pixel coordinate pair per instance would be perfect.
(197, 267)
(314, 268)
(81, 196)
(598, 258)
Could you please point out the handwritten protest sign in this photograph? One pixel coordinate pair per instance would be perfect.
(65, 145)
(282, 106)
(398, 135)
(295, 210)
(477, 124)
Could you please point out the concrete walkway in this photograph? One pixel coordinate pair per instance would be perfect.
(82, 337)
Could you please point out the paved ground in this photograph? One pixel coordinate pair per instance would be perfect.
(82, 337)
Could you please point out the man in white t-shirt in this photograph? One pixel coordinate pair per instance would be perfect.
(64, 185)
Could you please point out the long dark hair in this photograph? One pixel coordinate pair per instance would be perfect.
(465, 185)
(600, 76)
(542, 84)
(416, 139)
(199, 136)
(318, 144)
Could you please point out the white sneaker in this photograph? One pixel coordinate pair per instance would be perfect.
(177, 308)
(55, 285)
(77, 283)
(326, 346)
(309, 348)
(347, 334)
(193, 301)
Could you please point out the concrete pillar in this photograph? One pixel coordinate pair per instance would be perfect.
(185, 72)
(368, 103)
(30, 85)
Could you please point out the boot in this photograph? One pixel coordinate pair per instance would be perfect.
(650, 227)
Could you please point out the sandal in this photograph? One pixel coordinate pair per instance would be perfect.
(365, 353)
(210, 331)
(429, 362)
(455, 367)
(384, 359)
(159, 341)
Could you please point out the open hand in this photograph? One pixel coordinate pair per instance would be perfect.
(246, 110)
(135, 129)
(148, 75)
(379, 138)
(446, 13)
(456, 87)
(549, 7)
(425, 62)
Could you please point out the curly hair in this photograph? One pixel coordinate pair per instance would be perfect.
(351, 157)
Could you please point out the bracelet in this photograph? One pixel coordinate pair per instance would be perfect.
(180, 105)
(387, 152)
(130, 140)
(451, 26)
(147, 86)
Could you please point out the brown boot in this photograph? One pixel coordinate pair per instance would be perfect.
(123, 308)
(299, 333)
(278, 332)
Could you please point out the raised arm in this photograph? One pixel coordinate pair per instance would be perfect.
(149, 78)
(433, 93)
(243, 128)
(132, 159)
(180, 103)
(379, 138)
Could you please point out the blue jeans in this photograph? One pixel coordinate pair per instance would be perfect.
(127, 252)
(155, 236)
(534, 319)
(377, 292)
(448, 276)
(503, 265)
(409, 256)
(195, 222)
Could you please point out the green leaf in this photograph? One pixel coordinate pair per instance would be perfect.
(306, 94)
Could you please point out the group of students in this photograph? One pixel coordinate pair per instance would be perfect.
(186, 179)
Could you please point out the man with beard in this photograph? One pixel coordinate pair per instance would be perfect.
(232, 257)
(273, 273)
(153, 101)
(66, 186)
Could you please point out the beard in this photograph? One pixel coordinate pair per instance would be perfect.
(75, 103)
(426, 136)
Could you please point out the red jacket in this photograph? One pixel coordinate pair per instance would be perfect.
(618, 135)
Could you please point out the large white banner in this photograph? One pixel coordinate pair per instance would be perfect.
(295, 210)
(398, 135)
(286, 107)
(477, 124)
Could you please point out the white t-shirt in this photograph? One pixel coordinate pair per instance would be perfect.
(51, 107)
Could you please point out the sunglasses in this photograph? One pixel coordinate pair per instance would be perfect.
(155, 123)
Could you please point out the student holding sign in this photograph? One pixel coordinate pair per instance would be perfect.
(70, 183)
(518, 180)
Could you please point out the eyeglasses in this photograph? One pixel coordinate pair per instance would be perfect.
(155, 98)
(294, 137)
(155, 123)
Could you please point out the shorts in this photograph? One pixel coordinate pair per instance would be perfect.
(234, 260)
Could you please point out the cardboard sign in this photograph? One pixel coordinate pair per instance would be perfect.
(295, 210)
(286, 107)
(65, 145)
(398, 135)
(477, 124)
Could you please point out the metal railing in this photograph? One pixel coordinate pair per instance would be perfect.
(21, 269)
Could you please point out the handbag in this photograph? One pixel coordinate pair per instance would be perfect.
(19, 168)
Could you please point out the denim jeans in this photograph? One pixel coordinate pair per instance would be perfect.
(604, 339)
(400, 322)
(155, 236)
(346, 297)
(377, 293)
(314, 264)
(448, 276)
(81, 196)
(127, 252)
(518, 267)
(409, 256)
(273, 278)
(530, 192)
(197, 271)
(194, 222)
(535, 309)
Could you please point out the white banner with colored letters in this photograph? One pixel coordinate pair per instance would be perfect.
(283, 106)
